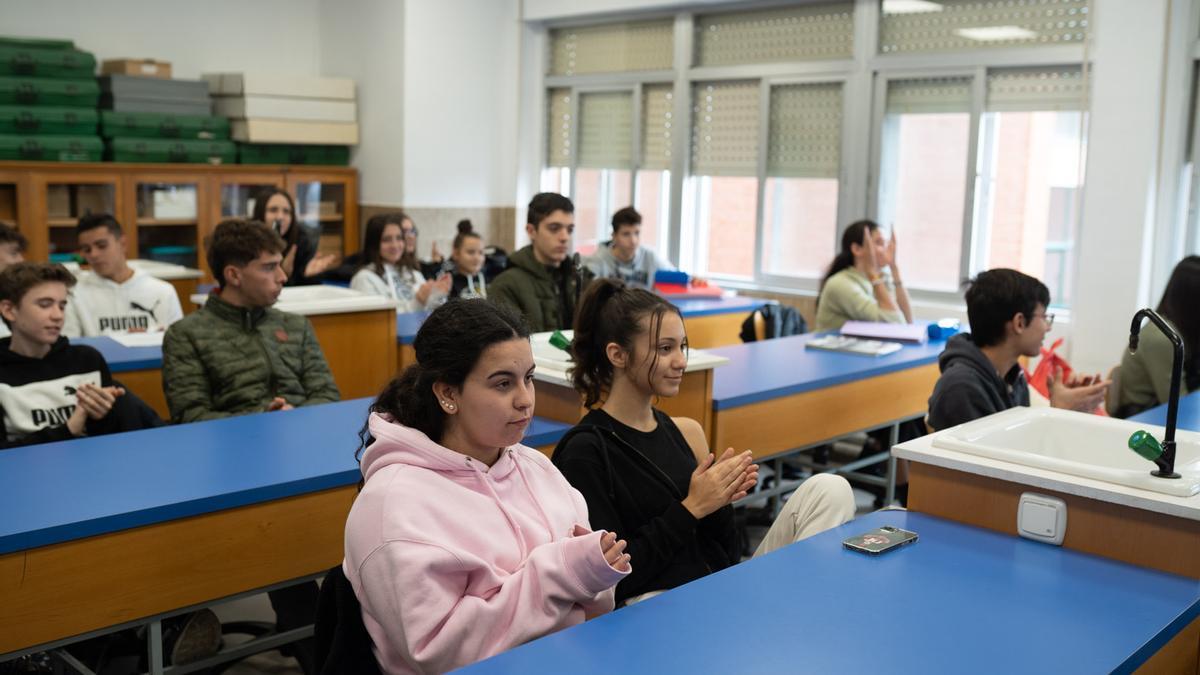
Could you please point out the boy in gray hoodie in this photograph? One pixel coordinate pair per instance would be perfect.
(623, 257)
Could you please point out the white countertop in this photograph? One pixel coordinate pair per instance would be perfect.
(317, 300)
(155, 268)
(923, 450)
(554, 364)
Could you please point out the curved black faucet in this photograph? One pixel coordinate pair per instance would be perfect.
(1165, 461)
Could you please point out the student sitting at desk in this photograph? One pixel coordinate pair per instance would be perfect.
(624, 258)
(50, 389)
(981, 374)
(465, 266)
(428, 268)
(1144, 380)
(386, 274)
(237, 354)
(540, 281)
(302, 264)
(464, 543)
(652, 477)
(856, 287)
(12, 251)
(112, 297)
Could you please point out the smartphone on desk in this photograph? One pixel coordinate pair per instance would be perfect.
(880, 540)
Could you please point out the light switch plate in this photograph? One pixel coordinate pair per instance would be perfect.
(1042, 518)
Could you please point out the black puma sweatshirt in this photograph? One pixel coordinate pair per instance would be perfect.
(37, 396)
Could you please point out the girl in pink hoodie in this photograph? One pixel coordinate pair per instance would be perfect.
(463, 542)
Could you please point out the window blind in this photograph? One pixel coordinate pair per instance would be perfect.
(800, 33)
(612, 48)
(805, 133)
(725, 129)
(913, 26)
(606, 130)
(657, 110)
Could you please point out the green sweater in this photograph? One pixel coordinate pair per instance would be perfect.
(545, 296)
(848, 296)
(224, 360)
(1144, 380)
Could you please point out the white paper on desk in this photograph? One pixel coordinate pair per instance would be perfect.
(150, 339)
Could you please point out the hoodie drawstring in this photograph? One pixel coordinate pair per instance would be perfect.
(512, 523)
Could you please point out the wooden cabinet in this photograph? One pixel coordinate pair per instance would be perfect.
(168, 210)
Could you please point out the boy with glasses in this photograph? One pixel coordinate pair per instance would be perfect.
(980, 370)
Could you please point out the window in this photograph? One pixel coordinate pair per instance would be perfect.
(1031, 162)
(556, 176)
(612, 48)
(603, 180)
(911, 26)
(723, 189)
(807, 33)
(800, 202)
(923, 177)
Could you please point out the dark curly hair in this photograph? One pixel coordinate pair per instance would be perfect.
(448, 346)
(236, 242)
(610, 312)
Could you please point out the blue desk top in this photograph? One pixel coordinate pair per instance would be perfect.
(1189, 414)
(696, 307)
(407, 325)
(57, 492)
(121, 358)
(760, 371)
(961, 599)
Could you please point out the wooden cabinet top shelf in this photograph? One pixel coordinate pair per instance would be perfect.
(157, 222)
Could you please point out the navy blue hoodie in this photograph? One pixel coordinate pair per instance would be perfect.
(970, 387)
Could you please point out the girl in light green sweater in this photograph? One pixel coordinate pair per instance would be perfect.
(855, 288)
(1145, 377)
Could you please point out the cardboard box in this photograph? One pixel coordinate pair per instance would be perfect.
(137, 67)
(176, 202)
(58, 201)
(286, 108)
(287, 131)
(263, 84)
(328, 208)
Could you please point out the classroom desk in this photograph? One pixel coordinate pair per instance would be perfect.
(710, 322)
(776, 396)
(960, 599)
(354, 344)
(138, 368)
(715, 322)
(1189, 414)
(108, 530)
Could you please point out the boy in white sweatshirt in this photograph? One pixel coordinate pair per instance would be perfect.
(113, 297)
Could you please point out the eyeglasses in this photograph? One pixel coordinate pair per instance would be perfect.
(1048, 317)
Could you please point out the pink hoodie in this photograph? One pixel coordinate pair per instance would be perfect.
(454, 562)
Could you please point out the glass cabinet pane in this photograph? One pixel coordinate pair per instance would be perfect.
(65, 204)
(321, 210)
(167, 222)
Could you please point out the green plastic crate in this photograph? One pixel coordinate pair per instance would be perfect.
(163, 125)
(324, 155)
(48, 91)
(59, 63)
(178, 151)
(52, 148)
(41, 120)
(36, 43)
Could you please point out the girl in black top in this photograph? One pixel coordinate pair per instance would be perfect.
(465, 265)
(301, 262)
(653, 475)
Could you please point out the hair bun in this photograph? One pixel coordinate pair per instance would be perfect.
(465, 227)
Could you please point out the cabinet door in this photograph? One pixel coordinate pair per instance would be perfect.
(327, 207)
(234, 194)
(169, 217)
(12, 207)
(60, 199)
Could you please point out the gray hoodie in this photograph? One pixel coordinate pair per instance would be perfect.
(637, 272)
(970, 387)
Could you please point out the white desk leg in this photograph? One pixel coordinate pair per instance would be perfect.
(155, 645)
(889, 494)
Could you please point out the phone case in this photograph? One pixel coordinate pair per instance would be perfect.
(880, 540)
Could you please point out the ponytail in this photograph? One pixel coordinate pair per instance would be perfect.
(611, 312)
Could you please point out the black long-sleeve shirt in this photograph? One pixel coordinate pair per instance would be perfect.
(634, 483)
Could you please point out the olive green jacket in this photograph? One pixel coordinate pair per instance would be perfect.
(537, 291)
(225, 360)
